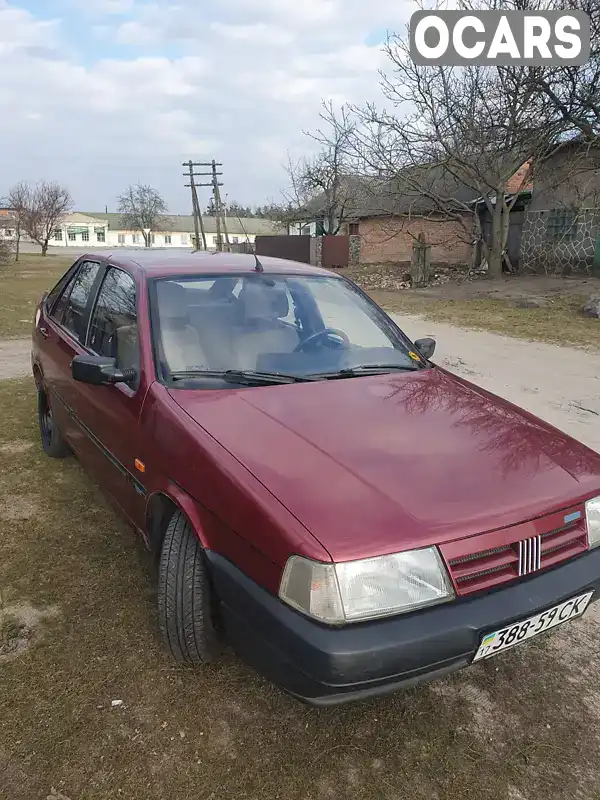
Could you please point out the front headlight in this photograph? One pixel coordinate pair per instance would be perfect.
(592, 518)
(359, 590)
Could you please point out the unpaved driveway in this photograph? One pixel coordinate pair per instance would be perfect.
(15, 358)
(558, 384)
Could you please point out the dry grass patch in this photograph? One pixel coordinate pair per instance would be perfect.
(223, 732)
(491, 304)
(560, 322)
(21, 286)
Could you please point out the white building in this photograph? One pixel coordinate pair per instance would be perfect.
(106, 230)
(8, 226)
(80, 230)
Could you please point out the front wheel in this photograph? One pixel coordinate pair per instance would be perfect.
(186, 604)
(53, 443)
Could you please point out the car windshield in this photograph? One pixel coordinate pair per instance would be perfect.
(286, 325)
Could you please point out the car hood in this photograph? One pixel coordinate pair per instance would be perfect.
(378, 464)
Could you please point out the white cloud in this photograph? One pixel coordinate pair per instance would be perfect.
(306, 13)
(258, 33)
(104, 6)
(159, 82)
(19, 30)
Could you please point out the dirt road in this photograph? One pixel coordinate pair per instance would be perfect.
(14, 358)
(559, 384)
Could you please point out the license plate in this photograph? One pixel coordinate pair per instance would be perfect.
(508, 637)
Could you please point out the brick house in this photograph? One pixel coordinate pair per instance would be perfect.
(389, 214)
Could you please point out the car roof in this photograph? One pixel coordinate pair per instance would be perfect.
(164, 264)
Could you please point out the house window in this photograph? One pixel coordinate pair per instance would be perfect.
(121, 238)
(58, 236)
(100, 236)
(184, 239)
(72, 237)
(561, 224)
(167, 240)
(353, 229)
(235, 240)
(152, 239)
(136, 238)
(8, 231)
(215, 241)
(85, 236)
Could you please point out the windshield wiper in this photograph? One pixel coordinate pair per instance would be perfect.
(245, 377)
(367, 369)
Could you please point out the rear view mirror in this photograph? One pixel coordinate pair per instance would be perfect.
(99, 371)
(426, 347)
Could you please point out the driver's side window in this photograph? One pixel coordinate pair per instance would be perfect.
(114, 329)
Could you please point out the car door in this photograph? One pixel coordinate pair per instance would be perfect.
(61, 334)
(110, 413)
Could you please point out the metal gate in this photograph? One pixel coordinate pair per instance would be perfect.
(336, 252)
(293, 248)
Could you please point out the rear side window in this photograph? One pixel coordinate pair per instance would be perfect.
(113, 330)
(70, 310)
(59, 290)
(58, 306)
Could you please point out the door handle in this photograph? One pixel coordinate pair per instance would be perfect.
(44, 332)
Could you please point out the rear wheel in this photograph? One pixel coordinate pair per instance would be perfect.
(186, 604)
(53, 443)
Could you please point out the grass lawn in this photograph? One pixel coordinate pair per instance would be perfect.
(558, 323)
(516, 727)
(21, 286)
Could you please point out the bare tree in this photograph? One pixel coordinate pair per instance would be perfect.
(19, 198)
(574, 92)
(143, 209)
(39, 209)
(320, 185)
(445, 128)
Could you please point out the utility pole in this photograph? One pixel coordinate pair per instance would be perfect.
(214, 184)
(198, 222)
(219, 205)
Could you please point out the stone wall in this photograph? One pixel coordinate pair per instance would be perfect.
(316, 251)
(355, 246)
(557, 245)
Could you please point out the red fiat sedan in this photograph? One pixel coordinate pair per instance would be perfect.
(351, 518)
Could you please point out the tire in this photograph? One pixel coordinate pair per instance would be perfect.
(53, 443)
(186, 602)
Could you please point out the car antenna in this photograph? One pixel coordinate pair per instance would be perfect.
(258, 266)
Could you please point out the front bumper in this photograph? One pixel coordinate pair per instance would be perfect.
(327, 666)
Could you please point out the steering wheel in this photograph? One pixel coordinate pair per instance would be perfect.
(316, 337)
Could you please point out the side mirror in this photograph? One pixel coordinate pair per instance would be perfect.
(99, 371)
(426, 347)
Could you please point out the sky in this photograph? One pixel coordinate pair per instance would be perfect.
(98, 94)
